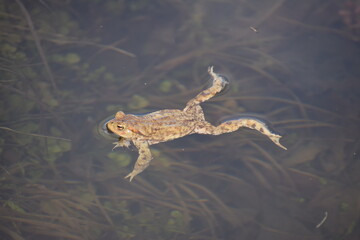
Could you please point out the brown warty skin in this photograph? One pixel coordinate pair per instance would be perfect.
(168, 124)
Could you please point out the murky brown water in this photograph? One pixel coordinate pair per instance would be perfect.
(66, 66)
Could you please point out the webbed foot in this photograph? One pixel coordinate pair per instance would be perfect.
(123, 142)
(131, 176)
(217, 79)
(276, 139)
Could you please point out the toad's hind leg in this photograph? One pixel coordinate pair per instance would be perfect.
(233, 125)
(143, 160)
(216, 87)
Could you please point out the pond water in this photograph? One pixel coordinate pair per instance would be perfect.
(68, 66)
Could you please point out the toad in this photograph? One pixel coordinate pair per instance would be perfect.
(169, 124)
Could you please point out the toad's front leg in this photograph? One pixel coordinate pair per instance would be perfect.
(143, 160)
(123, 142)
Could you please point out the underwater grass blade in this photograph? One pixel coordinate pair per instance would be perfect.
(178, 197)
(223, 210)
(37, 43)
(12, 234)
(274, 163)
(205, 211)
(33, 134)
(259, 176)
(99, 205)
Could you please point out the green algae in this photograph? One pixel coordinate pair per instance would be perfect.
(121, 159)
(138, 102)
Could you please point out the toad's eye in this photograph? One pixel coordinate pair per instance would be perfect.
(120, 127)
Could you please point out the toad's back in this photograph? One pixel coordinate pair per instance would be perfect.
(161, 125)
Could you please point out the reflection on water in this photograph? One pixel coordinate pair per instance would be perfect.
(65, 66)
